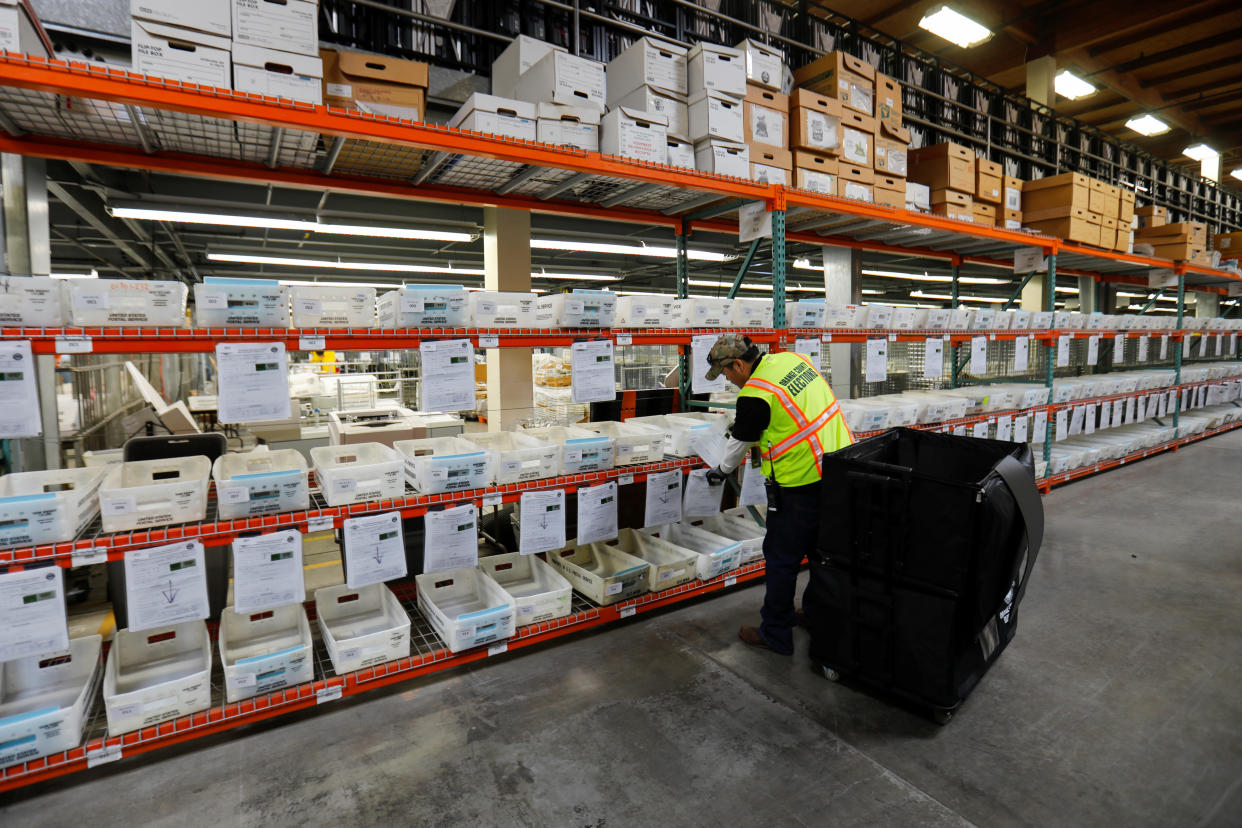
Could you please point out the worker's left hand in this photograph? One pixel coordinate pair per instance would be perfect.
(715, 476)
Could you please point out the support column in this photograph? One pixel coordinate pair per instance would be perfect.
(506, 265)
(1086, 295)
(1041, 80)
(1207, 305)
(1033, 293)
(1177, 352)
(1050, 348)
(685, 381)
(842, 286)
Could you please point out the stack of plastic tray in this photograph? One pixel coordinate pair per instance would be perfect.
(635, 442)
(701, 312)
(467, 608)
(859, 416)
(361, 627)
(517, 457)
(737, 524)
(602, 572)
(750, 313)
(845, 316)
(668, 565)
(157, 674)
(48, 506)
(909, 319)
(581, 450)
(680, 430)
(358, 473)
(444, 464)
(264, 651)
(43, 701)
(643, 311)
(714, 554)
(241, 303)
(423, 306)
(332, 307)
(145, 493)
(34, 301)
(538, 591)
(127, 302)
(1041, 320)
(961, 319)
(805, 313)
(501, 309)
(260, 482)
(901, 411)
(580, 309)
(879, 316)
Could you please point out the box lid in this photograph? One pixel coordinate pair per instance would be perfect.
(1062, 180)
(493, 103)
(271, 60)
(175, 34)
(638, 115)
(702, 46)
(658, 45)
(382, 68)
(674, 138)
(762, 96)
(548, 111)
(714, 93)
(896, 133)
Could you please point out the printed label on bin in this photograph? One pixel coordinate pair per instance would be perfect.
(614, 588)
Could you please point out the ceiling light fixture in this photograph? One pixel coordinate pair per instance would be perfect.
(1237, 173)
(918, 294)
(929, 277)
(275, 223)
(655, 251)
(1069, 85)
(1200, 152)
(336, 264)
(1063, 289)
(955, 27)
(577, 277)
(1147, 125)
(94, 274)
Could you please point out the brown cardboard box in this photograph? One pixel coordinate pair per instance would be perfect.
(955, 198)
(1177, 252)
(841, 76)
(1112, 201)
(887, 101)
(954, 212)
(988, 181)
(1051, 213)
(1067, 190)
(1186, 232)
(771, 165)
(766, 117)
(943, 166)
(815, 122)
(855, 182)
(1125, 207)
(1099, 196)
(1230, 243)
(1075, 227)
(376, 84)
(857, 139)
(892, 150)
(1009, 219)
(985, 213)
(815, 172)
(1123, 238)
(1012, 190)
(1150, 215)
(890, 191)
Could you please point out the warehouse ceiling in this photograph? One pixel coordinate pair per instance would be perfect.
(1177, 61)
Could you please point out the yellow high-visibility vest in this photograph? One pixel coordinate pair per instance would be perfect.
(806, 422)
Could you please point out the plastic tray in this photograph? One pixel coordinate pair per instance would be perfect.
(361, 627)
(701, 312)
(144, 493)
(580, 309)
(357, 473)
(241, 303)
(43, 701)
(516, 457)
(751, 313)
(156, 675)
(643, 311)
(539, 592)
(261, 482)
(845, 316)
(48, 506)
(635, 442)
(670, 565)
(580, 450)
(424, 306)
(444, 464)
(879, 316)
(127, 302)
(34, 301)
(265, 651)
(714, 554)
(738, 525)
(601, 572)
(680, 430)
(466, 608)
(502, 309)
(805, 313)
(332, 307)
(909, 319)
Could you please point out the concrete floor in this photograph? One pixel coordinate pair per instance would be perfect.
(1119, 703)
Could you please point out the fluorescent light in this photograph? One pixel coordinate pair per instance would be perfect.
(92, 275)
(1237, 173)
(1151, 310)
(309, 283)
(1147, 125)
(1069, 85)
(627, 249)
(928, 277)
(644, 293)
(711, 284)
(336, 264)
(1200, 152)
(872, 292)
(1061, 289)
(577, 277)
(954, 27)
(804, 264)
(273, 223)
(918, 294)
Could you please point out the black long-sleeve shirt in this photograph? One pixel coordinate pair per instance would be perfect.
(753, 416)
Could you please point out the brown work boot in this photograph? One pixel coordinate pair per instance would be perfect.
(751, 636)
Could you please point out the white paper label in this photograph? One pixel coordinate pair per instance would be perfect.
(103, 755)
(702, 499)
(933, 358)
(625, 480)
(543, 521)
(810, 348)
(86, 557)
(312, 343)
(624, 339)
(1077, 418)
(1063, 342)
(89, 299)
(626, 612)
(1164, 347)
(328, 694)
(493, 500)
(253, 382)
(753, 492)
(267, 571)
(1119, 348)
(451, 363)
(1004, 428)
(1062, 424)
(877, 360)
(1021, 427)
(74, 345)
(497, 649)
(32, 614)
(166, 585)
(19, 395)
(593, 371)
(753, 222)
(980, 430)
(489, 341)
(451, 540)
(374, 549)
(322, 523)
(1021, 353)
(663, 503)
(1142, 348)
(1040, 432)
(700, 347)
(597, 513)
(1093, 349)
(979, 354)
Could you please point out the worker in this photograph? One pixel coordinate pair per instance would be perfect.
(788, 413)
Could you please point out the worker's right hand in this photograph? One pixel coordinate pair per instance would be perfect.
(715, 476)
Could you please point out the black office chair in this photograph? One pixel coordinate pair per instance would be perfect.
(211, 445)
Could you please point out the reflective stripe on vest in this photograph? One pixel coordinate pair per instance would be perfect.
(808, 431)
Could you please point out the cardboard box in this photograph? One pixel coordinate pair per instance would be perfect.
(1150, 215)
(1098, 197)
(890, 191)
(1076, 228)
(984, 213)
(1067, 190)
(765, 65)
(284, 25)
(770, 164)
(656, 101)
(716, 68)
(1112, 201)
(277, 74)
(1009, 219)
(766, 117)
(888, 102)
(560, 77)
(855, 182)
(376, 84)
(1125, 206)
(767, 174)
(815, 122)
(954, 212)
(892, 148)
(570, 126)
(521, 54)
(680, 151)
(210, 16)
(183, 55)
(1230, 243)
(1013, 193)
(716, 115)
(815, 172)
(918, 197)
(953, 198)
(943, 166)
(497, 116)
(841, 76)
(722, 157)
(647, 62)
(857, 139)
(635, 134)
(988, 185)
(1178, 252)
(1186, 232)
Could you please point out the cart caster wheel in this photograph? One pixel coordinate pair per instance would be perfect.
(829, 673)
(942, 717)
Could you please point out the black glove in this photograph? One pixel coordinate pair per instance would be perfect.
(716, 476)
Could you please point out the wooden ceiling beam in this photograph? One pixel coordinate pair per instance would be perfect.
(1190, 72)
(1117, 21)
(1226, 38)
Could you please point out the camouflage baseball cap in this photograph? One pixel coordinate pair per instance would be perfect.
(727, 347)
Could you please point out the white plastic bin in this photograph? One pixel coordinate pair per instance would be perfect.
(635, 442)
(580, 309)
(361, 627)
(539, 592)
(33, 302)
(714, 554)
(669, 565)
(424, 306)
(644, 311)
(737, 524)
(156, 675)
(879, 317)
(602, 572)
(48, 506)
(260, 482)
(681, 430)
(845, 316)
(938, 319)
(516, 457)
(961, 319)
(241, 303)
(358, 473)
(145, 493)
(122, 302)
(751, 313)
(501, 309)
(332, 307)
(701, 312)
(265, 651)
(43, 701)
(805, 313)
(444, 464)
(908, 319)
(467, 608)
(580, 450)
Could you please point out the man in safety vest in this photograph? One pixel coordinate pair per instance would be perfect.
(787, 411)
